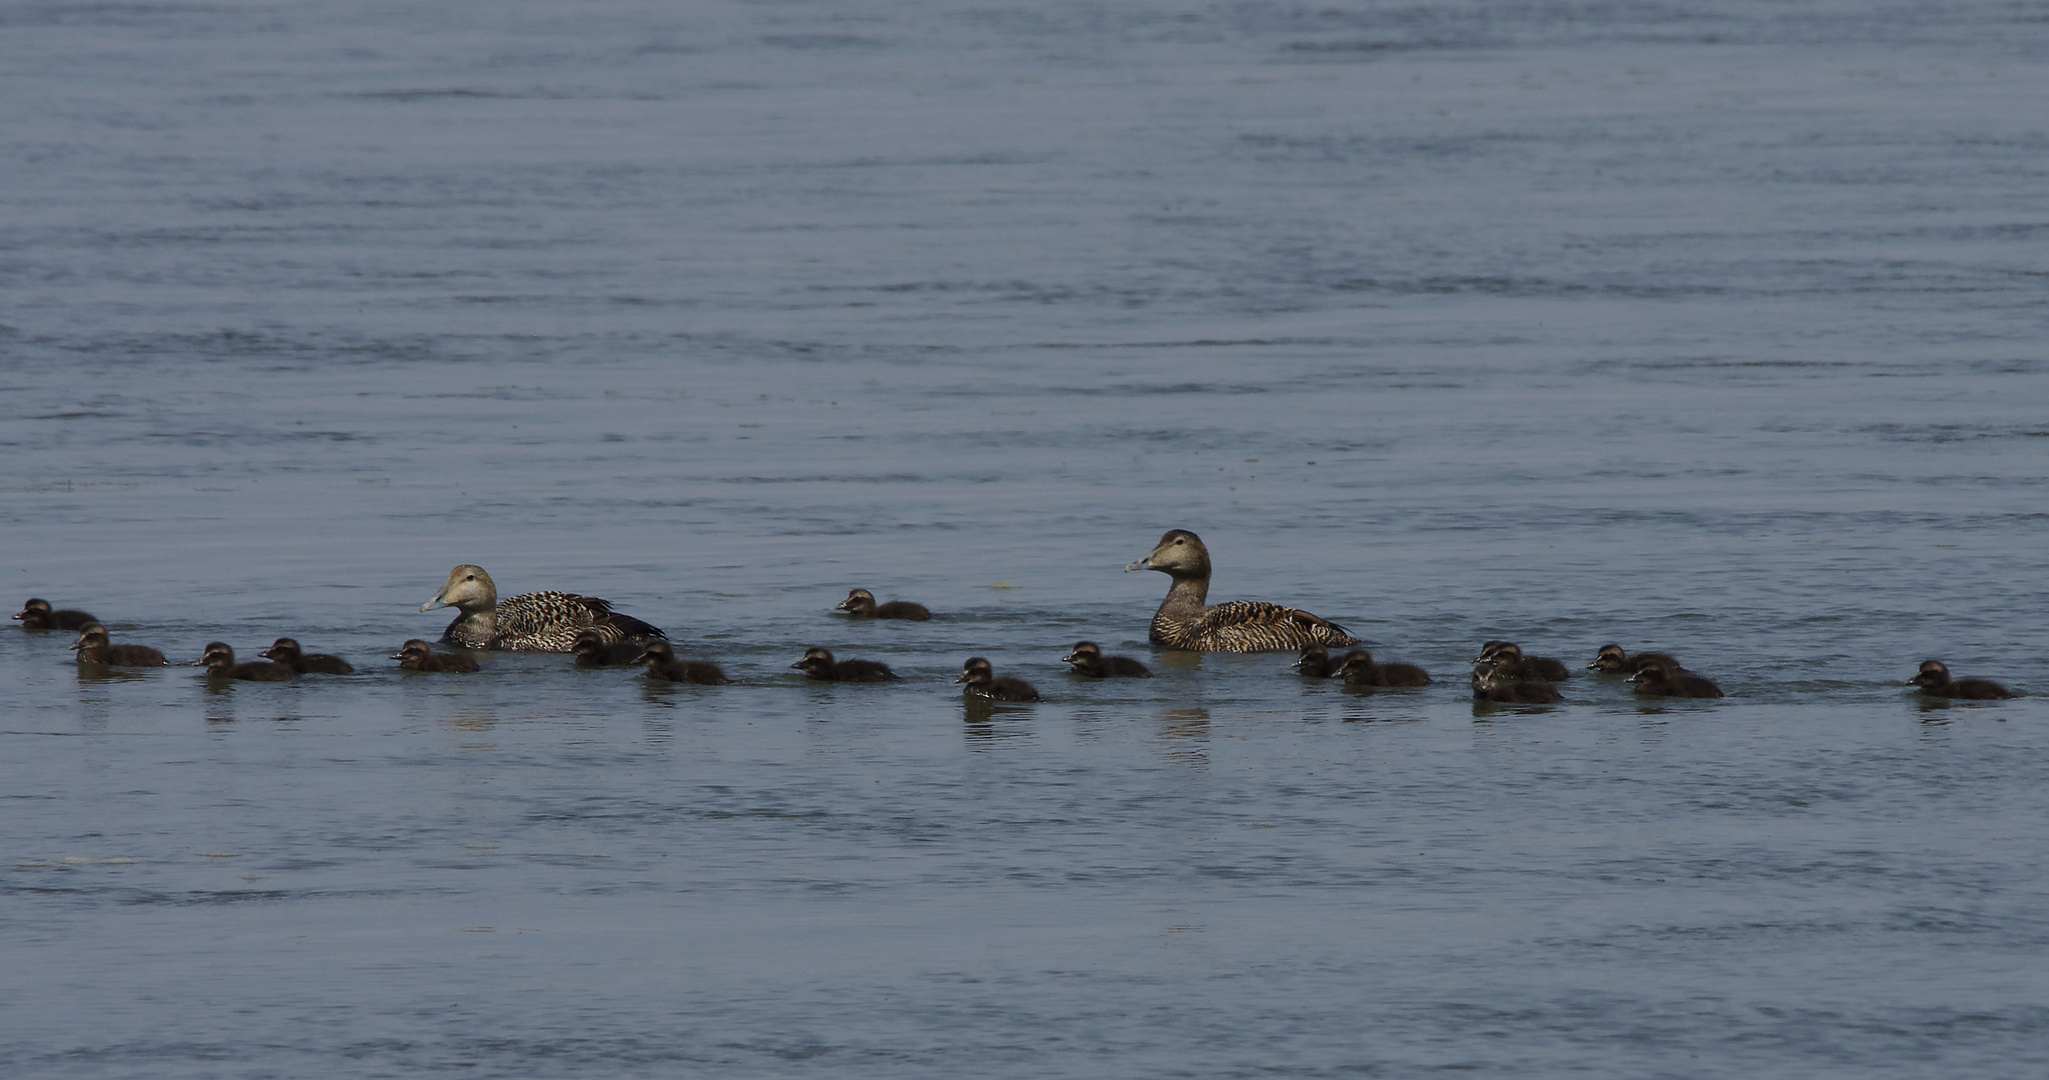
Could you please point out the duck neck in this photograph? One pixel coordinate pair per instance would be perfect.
(1187, 598)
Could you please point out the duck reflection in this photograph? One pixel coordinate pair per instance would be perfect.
(987, 724)
(1183, 737)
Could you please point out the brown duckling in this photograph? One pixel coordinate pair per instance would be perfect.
(219, 662)
(662, 665)
(1611, 660)
(286, 651)
(983, 682)
(38, 615)
(536, 621)
(1508, 656)
(819, 664)
(93, 647)
(860, 603)
(592, 650)
(1317, 663)
(1491, 683)
(1659, 679)
(1934, 679)
(1186, 620)
(417, 655)
(1359, 669)
(1088, 659)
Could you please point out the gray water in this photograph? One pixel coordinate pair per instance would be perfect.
(1712, 328)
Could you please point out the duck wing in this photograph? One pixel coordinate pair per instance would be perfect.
(551, 621)
(1257, 626)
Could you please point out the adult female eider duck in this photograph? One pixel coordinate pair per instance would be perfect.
(532, 622)
(1186, 621)
(1933, 679)
(38, 615)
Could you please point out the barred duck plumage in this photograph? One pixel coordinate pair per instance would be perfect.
(1186, 621)
(531, 622)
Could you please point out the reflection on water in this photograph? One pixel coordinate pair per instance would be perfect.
(1183, 737)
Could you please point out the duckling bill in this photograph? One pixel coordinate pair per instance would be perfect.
(1185, 620)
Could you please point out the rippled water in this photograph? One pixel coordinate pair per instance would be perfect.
(1715, 329)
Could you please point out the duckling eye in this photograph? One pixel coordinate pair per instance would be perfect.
(469, 577)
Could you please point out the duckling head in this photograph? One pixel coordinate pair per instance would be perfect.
(815, 659)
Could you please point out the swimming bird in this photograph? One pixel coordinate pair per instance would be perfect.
(535, 622)
(417, 655)
(1659, 679)
(219, 661)
(592, 650)
(819, 664)
(1185, 621)
(1316, 662)
(1508, 656)
(983, 682)
(861, 604)
(1611, 660)
(93, 647)
(1490, 683)
(1934, 679)
(1088, 659)
(662, 665)
(1359, 669)
(38, 615)
(286, 651)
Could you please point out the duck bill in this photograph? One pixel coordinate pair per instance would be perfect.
(798, 666)
(1142, 564)
(961, 678)
(434, 603)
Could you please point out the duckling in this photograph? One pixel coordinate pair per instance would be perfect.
(37, 615)
(860, 603)
(1088, 659)
(417, 655)
(93, 647)
(1508, 656)
(1359, 669)
(219, 662)
(1611, 660)
(660, 658)
(1316, 663)
(592, 650)
(819, 664)
(1186, 621)
(535, 622)
(1659, 679)
(286, 651)
(1933, 679)
(1491, 683)
(983, 682)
